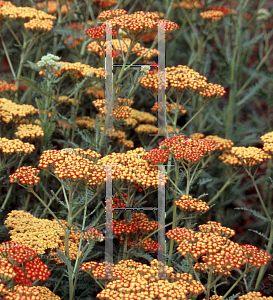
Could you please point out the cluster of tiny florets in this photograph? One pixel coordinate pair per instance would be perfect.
(267, 140)
(187, 149)
(29, 131)
(15, 146)
(10, 111)
(190, 204)
(139, 281)
(212, 14)
(26, 176)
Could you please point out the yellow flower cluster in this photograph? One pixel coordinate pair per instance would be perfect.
(221, 142)
(182, 77)
(229, 159)
(10, 111)
(142, 116)
(29, 131)
(85, 122)
(32, 292)
(212, 14)
(8, 10)
(132, 169)
(249, 156)
(267, 139)
(197, 136)
(64, 99)
(189, 4)
(139, 281)
(148, 128)
(254, 296)
(15, 146)
(41, 234)
(37, 24)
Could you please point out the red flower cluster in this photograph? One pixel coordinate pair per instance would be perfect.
(26, 176)
(187, 149)
(25, 263)
(156, 156)
(138, 228)
(94, 234)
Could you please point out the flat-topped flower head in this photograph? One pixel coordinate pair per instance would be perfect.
(110, 14)
(189, 4)
(212, 226)
(256, 258)
(25, 176)
(139, 280)
(156, 156)
(131, 168)
(249, 156)
(212, 14)
(29, 131)
(188, 204)
(222, 144)
(185, 149)
(39, 25)
(267, 139)
(180, 78)
(8, 147)
(70, 167)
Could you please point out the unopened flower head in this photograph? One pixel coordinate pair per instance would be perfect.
(50, 60)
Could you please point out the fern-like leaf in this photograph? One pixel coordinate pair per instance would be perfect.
(261, 234)
(33, 85)
(64, 259)
(254, 213)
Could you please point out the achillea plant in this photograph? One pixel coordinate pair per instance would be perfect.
(174, 194)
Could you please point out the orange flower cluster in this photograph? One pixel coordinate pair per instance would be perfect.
(88, 154)
(78, 70)
(8, 10)
(212, 14)
(190, 204)
(229, 158)
(218, 253)
(197, 136)
(29, 131)
(42, 234)
(119, 112)
(71, 167)
(105, 3)
(25, 176)
(170, 108)
(189, 4)
(156, 156)
(138, 228)
(249, 156)
(97, 91)
(224, 10)
(187, 149)
(73, 42)
(134, 280)
(64, 99)
(15, 146)
(121, 46)
(52, 7)
(5, 86)
(267, 139)
(99, 32)
(109, 14)
(254, 296)
(28, 293)
(212, 226)
(137, 24)
(85, 122)
(222, 144)
(37, 24)
(10, 111)
(33, 268)
(131, 168)
(182, 77)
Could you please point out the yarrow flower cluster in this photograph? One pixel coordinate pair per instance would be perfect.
(219, 254)
(212, 14)
(71, 167)
(42, 234)
(180, 78)
(26, 176)
(189, 204)
(12, 112)
(131, 168)
(267, 140)
(94, 234)
(5, 86)
(134, 280)
(29, 131)
(189, 4)
(138, 229)
(185, 149)
(170, 108)
(156, 156)
(15, 146)
(18, 254)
